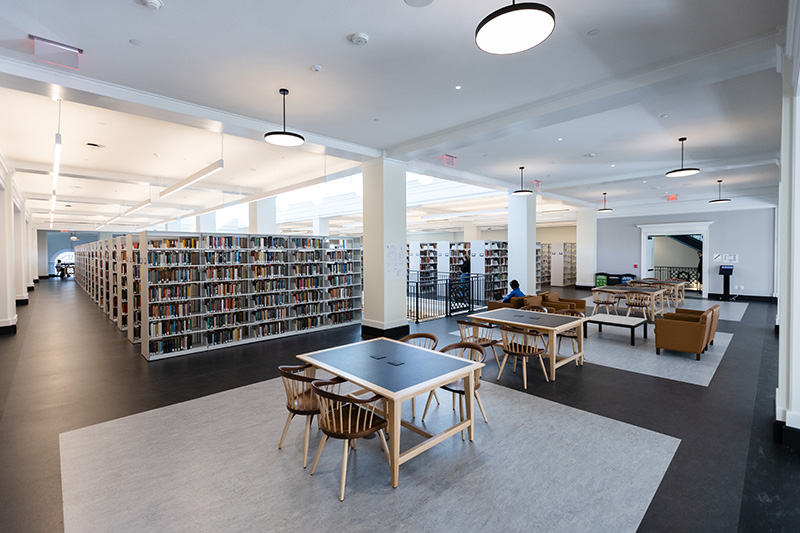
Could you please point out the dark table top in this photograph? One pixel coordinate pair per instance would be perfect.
(390, 365)
(526, 318)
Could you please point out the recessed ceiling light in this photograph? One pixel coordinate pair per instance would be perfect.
(358, 39)
(156, 154)
(458, 87)
(68, 205)
(590, 155)
(315, 68)
(592, 33)
(94, 146)
(135, 42)
(644, 181)
(664, 115)
(612, 166)
(561, 139)
(376, 120)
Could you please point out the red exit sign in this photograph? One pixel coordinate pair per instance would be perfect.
(672, 197)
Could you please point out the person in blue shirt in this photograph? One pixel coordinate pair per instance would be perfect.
(515, 292)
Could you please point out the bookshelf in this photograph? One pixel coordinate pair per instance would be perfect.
(458, 252)
(491, 258)
(545, 255)
(563, 264)
(184, 293)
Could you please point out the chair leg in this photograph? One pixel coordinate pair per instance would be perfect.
(480, 406)
(501, 366)
(344, 468)
(305, 439)
(385, 447)
(558, 347)
(453, 400)
(515, 364)
(544, 370)
(413, 406)
(496, 359)
(285, 429)
(461, 411)
(319, 452)
(436, 397)
(525, 373)
(427, 404)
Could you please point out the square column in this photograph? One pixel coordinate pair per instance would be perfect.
(471, 232)
(385, 247)
(20, 257)
(264, 217)
(320, 226)
(522, 242)
(586, 242)
(8, 306)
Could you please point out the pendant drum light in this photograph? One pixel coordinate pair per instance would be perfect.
(682, 172)
(605, 208)
(719, 199)
(522, 191)
(284, 138)
(515, 28)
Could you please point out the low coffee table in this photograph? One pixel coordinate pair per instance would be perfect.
(630, 322)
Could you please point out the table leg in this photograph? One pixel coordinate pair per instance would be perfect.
(585, 329)
(469, 401)
(645, 329)
(633, 342)
(580, 348)
(551, 349)
(394, 439)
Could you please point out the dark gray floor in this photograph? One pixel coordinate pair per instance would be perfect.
(69, 367)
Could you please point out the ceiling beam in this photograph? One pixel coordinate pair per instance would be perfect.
(730, 62)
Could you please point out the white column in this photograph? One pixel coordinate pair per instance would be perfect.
(20, 260)
(471, 232)
(264, 217)
(8, 306)
(172, 226)
(787, 397)
(522, 241)
(30, 240)
(384, 239)
(586, 241)
(320, 226)
(206, 223)
(41, 238)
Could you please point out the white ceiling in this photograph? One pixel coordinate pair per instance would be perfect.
(654, 71)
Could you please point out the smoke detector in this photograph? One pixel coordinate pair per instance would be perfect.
(358, 39)
(153, 4)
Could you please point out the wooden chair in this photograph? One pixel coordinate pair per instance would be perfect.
(481, 334)
(680, 290)
(604, 299)
(522, 344)
(537, 308)
(423, 340)
(473, 352)
(643, 301)
(347, 418)
(300, 400)
(641, 283)
(571, 334)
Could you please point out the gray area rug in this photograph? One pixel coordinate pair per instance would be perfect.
(212, 464)
(733, 311)
(612, 348)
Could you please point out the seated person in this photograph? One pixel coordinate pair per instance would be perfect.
(515, 292)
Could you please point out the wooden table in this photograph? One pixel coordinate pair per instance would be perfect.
(656, 302)
(399, 371)
(678, 288)
(552, 324)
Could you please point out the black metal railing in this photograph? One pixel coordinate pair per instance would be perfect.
(431, 295)
(688, 274)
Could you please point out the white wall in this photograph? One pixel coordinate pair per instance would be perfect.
(495, 235)
(750, 233)
(669, 252)
(435, 237)
(557, 234)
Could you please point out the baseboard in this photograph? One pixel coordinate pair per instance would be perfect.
(744, 298)
(777, 329)
(394, 333)
(785, 435)
(36, 280)
(8, 330)
(31, 287)
(22, 301)
(584, 287)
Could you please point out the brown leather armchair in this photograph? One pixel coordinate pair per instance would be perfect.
(684, 332)
(515, 303)
(552, 299)
(714, 320)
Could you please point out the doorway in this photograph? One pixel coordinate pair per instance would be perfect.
(699, 232)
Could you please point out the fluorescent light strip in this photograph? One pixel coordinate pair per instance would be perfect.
(194, 178)
(138, 207)
(53, 202)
